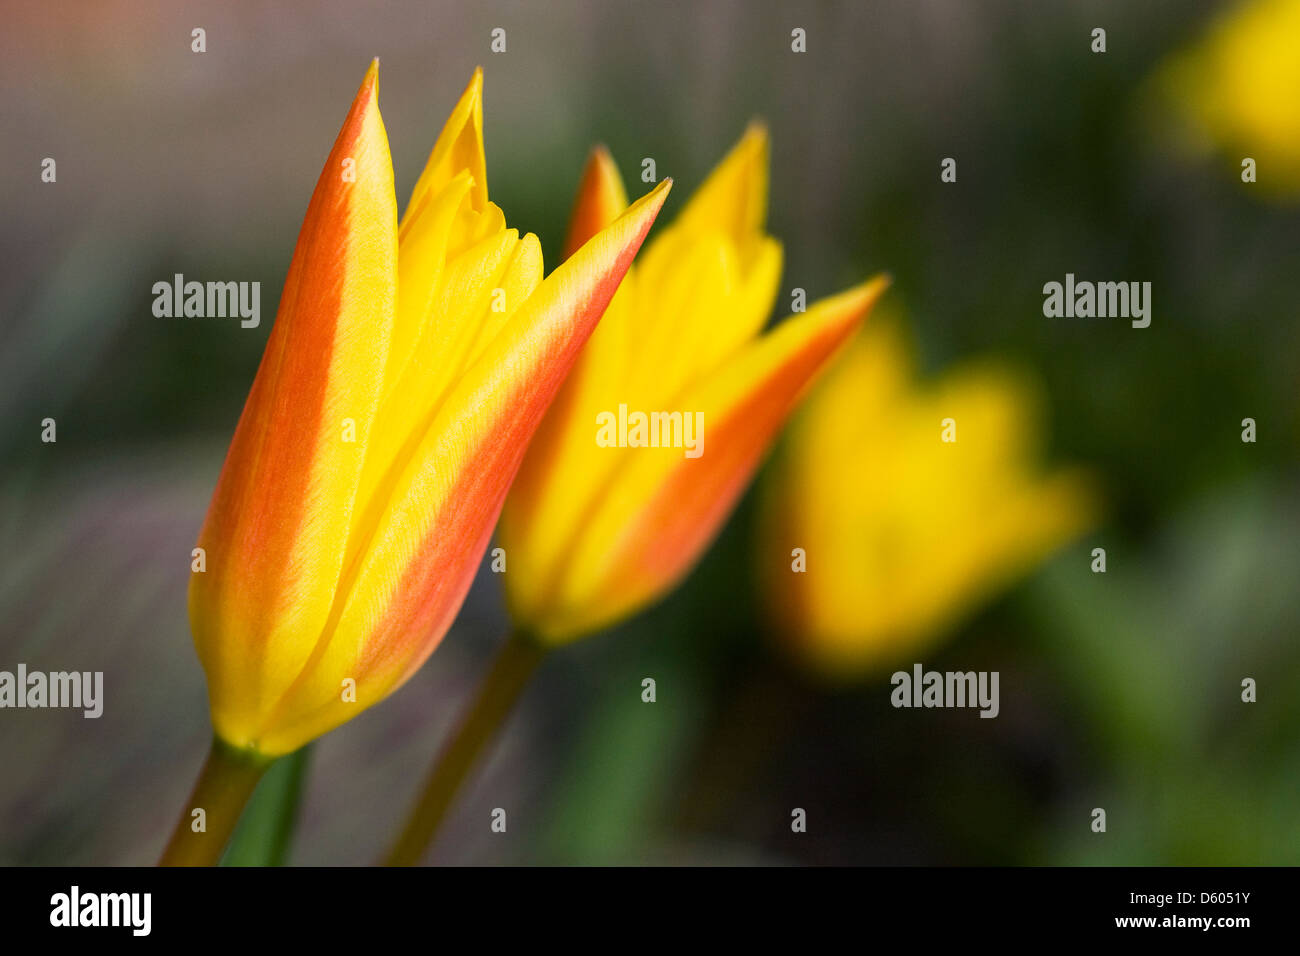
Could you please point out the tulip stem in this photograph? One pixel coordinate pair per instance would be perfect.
(511, 670)
(225, 783)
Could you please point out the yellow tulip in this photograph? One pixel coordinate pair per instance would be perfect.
(1237, 87)
(593, 533)
(899, 532)
(407, 370)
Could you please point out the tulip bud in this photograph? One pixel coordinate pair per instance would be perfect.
(405, 374)
(670, 409)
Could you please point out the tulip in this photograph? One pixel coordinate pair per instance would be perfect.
(878, 535)
(592, 534)
(406, 371)
(1236, 87)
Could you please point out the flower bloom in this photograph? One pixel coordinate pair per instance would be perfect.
(900, 532)
(1237, 88)
(406, 372)
(591, 532)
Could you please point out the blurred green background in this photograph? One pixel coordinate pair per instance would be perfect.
(1119, 691)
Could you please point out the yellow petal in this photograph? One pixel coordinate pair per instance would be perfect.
(698, 303)
(280, 515)
(734, 197)
(659, 509)
(459, 148)
(422, 256)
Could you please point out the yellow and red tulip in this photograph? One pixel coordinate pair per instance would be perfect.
(406, 372)
(591, 533)
(877, 534)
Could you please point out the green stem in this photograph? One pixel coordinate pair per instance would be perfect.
(225, 783)
(264, 836)
(510, 673)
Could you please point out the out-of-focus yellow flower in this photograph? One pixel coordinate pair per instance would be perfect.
(407, 370)
(1239, 88)
(900, 532)
(592, 533)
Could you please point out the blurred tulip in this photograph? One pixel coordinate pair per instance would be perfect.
(901, 532)
(592, 534)
(1237, 88)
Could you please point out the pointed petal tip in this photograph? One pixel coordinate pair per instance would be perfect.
(858, 300)
(602, 169)
(601, 165)
(755, 143)
(839, 314)
(601, 199)
(733, 198)
(645, 210)
(651, 202)
(471, 98)
(628, 230)
(877, 284)
(475, 86)
(656, 196)
(601, 159)
(370, 82)
(365, 104)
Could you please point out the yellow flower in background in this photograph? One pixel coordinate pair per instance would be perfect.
(600, 522)
(1238, 88)
(406, 372)
(900, 532)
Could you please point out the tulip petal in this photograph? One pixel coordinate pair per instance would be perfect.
(699, 303)
(421, 257)
(283, 506)
(416, 555)
(601, 200)
(660, 509)
(734, 197)
(459, 147)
